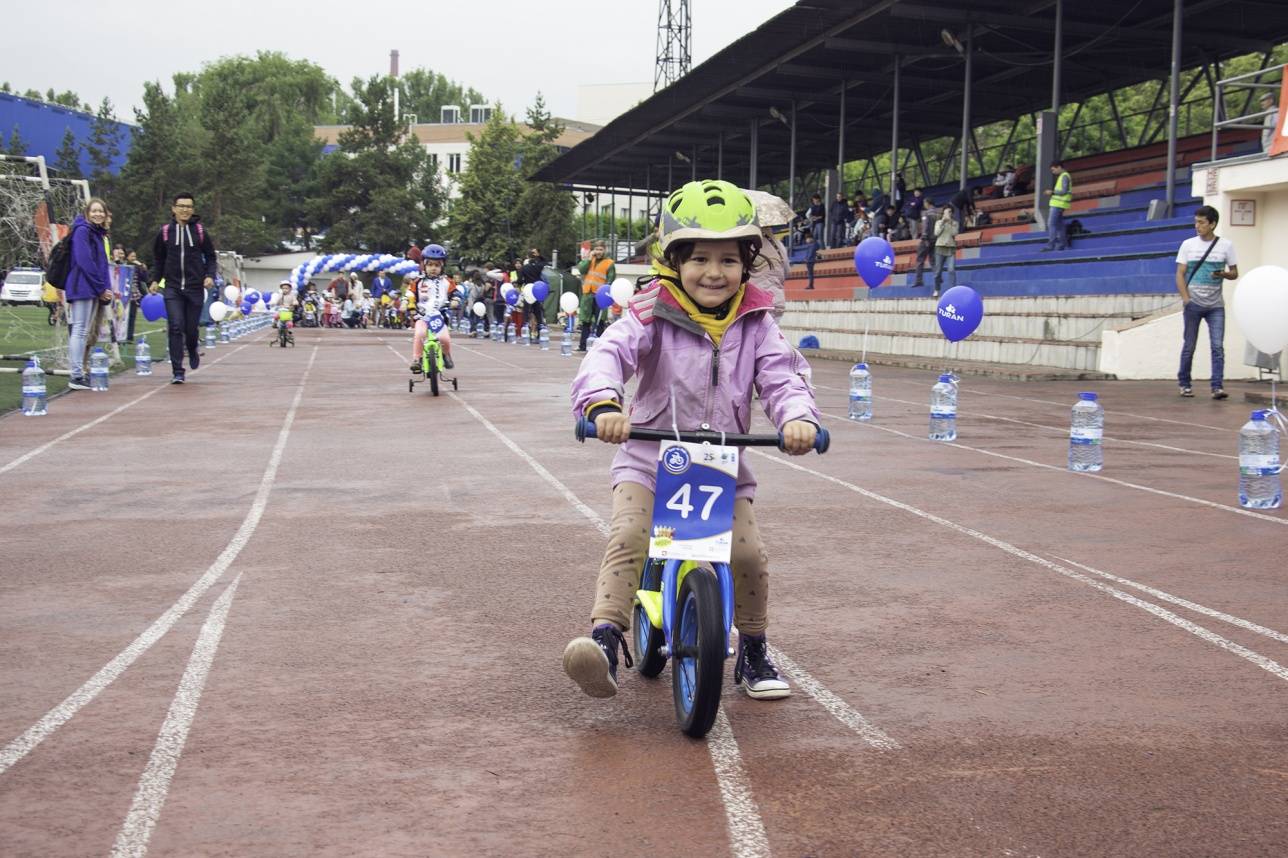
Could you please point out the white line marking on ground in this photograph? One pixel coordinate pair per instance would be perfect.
(1078, 474)
(747, 837)
(63, 712)
(1060, 429)
(488, 356)
(1184, 603)
(1162, 613)
(840, 710)
(26, 457)
(154, 784)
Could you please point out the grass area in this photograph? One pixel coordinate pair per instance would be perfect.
(25, 329)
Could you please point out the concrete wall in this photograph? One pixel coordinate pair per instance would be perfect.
(1151, 348)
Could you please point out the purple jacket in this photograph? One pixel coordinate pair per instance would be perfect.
(657, 341)
(87, 276)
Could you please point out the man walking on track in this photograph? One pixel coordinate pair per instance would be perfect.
(185, 259)
(596, 270)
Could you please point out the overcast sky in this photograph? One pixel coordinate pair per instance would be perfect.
(506, 49)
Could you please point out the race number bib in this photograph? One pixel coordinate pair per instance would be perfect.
(693, 506)
(434, 322)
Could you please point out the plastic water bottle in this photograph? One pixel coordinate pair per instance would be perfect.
(210, 336)
(497, 333)
(565, 345)
(543, 337)
(1085, 433)
(860, 392)
(224, 336)
(509, 333)
(527, 336)
(98, 369)
(142, 358)
(1259, 484)
(590, 340)
(34, 396)
(943, 410)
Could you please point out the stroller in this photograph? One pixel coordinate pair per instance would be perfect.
(309, 315)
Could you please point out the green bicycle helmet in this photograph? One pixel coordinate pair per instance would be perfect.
(705, 210)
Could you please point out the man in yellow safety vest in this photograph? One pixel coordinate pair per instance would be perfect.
(1061, 199)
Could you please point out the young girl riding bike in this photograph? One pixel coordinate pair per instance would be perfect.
(701, 339)
(432, 294)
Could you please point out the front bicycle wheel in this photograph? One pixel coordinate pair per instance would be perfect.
(649, 639)
(697, 666)
(432, 372)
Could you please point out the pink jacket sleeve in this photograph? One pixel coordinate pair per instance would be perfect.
(782, 378)
(611, 363)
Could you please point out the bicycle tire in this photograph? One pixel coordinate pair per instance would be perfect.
(433, 375)
(649, 640)
(697, 666)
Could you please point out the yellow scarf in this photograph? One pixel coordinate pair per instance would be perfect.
(714, 327)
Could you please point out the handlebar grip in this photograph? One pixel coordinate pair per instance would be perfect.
(821, 441)
(585, 429)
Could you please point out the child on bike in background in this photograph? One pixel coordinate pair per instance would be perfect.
(701, 340)
(432, 294)
(286, 299)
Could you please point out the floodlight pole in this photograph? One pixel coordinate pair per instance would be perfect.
(970, 39)
(1173, 98)
(754, 155)
(1057, 64)
(894, 129)
(791, 170)
(840, 143)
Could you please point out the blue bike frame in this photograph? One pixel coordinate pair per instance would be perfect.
(671, 590)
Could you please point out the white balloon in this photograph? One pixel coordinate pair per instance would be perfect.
(621, 290)
(218, 311)
(274, 298)
(232, 293)
(528, 297)
(479, 308)
(1261, 308)
(568, 302)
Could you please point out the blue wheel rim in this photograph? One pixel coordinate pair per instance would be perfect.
(686, 667)
(643, 628)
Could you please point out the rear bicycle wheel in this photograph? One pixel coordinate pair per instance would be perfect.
(432, 373)
(697, 668)
(649, 639)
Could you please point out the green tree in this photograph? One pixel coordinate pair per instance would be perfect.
(34, 95)
(482, 222)
(104, 144)
(544, 213)
(423, 93)
(379, 189)
(17, 146)
(67, 158)
(232, 181)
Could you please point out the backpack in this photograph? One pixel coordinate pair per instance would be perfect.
(60, 262)
(201, 233)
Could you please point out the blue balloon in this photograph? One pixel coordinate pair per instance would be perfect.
(604, 296)
(809, 341)
(511, 296)
(959, 312)
(874, 260)
(540, 290)
(251, 297)
(153, 307)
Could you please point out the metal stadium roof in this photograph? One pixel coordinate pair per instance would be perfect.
(805, 53)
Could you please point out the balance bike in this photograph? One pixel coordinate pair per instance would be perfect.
(684, 607)
(431, 357)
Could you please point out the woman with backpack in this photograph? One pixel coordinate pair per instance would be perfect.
(88, 284)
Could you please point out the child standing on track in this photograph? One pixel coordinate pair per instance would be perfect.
(432, 294)
(701, 340)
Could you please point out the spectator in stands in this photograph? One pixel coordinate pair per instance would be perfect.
(878, 200)
(1061, 199)
(1203, 263)
(926, 240)
(900, 190)
(861, 201)
(945, 249)
(839, 215)
(816, 215)
(860, 224)
(963, 207)
(808, 253)
(1271, 123)
(88, 283)
(883, 222)
(912, 210)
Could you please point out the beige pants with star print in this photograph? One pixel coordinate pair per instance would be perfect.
(619, 574)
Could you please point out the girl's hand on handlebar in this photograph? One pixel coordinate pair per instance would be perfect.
(612, 427)
(798, 437)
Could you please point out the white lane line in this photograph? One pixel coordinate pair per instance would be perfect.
(26, 457)
(840, 710)
(1059, 429)
(154, 784)
(488, 356)
(1079, 474)
(1211, 637)
(1184, 603)
(63, 712)
(747, 837)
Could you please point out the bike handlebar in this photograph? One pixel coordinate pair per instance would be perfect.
(586, 429)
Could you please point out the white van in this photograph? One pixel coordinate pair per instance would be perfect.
(22, 286)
